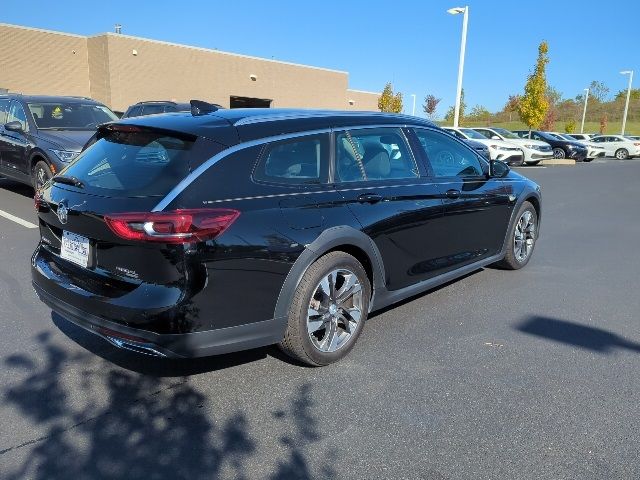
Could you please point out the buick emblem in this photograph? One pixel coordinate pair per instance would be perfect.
(63, 213)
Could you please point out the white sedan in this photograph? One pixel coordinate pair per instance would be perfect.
(498, 149)
(534, 150)
(618, 146)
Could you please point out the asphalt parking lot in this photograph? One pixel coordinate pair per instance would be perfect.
(502, 375)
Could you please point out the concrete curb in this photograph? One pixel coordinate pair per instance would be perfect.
(558, 161)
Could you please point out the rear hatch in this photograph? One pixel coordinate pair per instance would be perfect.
(93, 215)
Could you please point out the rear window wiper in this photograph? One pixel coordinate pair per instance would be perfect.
(68, 181)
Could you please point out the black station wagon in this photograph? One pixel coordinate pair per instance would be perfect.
(192, 234)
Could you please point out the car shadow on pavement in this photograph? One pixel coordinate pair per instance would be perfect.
(96, 420)
(582, 336)
(16, 187)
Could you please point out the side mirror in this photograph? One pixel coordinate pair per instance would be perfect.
(14, 126)
(498, 169)
(495, 137)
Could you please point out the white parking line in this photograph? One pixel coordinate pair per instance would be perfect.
(18, 220)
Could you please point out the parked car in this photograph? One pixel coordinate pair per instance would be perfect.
(498, 149)
(562, 148)
(190, 235)
(635, 138)
(481, 148)
(581, 137)
(40, 135)
(534, 151)
(154, 107)
(594, 150)
(618, 146)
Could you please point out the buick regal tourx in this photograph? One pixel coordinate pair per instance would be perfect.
(192, 234)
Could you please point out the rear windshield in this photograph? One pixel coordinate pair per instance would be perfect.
(134, 164)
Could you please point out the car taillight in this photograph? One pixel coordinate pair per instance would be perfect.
(37, 200)
(637, 144)
(176, 226)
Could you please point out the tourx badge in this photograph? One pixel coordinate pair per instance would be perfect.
(63, 213)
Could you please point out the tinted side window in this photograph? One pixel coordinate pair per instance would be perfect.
(170, 108)
(449, 158)
(16, 114)
(373, 154)
(295, 161)
(4, 108)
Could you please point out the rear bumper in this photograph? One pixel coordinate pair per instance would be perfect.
(179, 345)
(143, 319)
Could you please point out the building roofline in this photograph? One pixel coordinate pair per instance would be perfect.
(42, 30)
(211, 50)
(363, 91)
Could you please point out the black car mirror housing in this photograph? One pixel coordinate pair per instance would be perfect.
(498, 169)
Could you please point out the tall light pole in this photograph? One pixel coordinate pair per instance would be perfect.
(626, 105)
(584, 110)
(463, 44)
(413, 110)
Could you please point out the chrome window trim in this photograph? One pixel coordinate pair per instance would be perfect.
(189, 179)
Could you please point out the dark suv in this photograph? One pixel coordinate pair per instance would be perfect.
(40, 135)
(197, 234)
(562, 148)
(154, 107)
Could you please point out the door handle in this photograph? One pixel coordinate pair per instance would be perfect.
(453, 193)
(369, 198)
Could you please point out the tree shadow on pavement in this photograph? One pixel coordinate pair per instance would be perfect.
(101, 421)
(582, 336)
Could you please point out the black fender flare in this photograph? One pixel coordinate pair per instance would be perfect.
(328, 240)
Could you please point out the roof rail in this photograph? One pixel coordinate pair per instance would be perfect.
(199, 107)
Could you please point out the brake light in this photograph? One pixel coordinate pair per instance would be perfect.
(37, 200)
(176, 226)
(637, 144)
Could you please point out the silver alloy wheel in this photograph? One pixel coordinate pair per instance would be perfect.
(558, 153)
(524, 236)
(335, 310)
(622, 154)
(41, 177)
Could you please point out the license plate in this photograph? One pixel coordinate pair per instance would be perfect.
(75, 248)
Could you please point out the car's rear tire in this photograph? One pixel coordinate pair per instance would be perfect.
(588, 159)
(622, 154)
(41, 174)
(559, 153)
(521, 238)
(328, 310)
(532, 164)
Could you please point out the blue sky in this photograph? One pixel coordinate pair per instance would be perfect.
(414, 44)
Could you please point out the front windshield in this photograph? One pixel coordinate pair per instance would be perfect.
(506, 133)
(566, 137)
(473, 134)
(70, 116)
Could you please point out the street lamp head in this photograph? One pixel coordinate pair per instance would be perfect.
(626, 72)
(456, 10)
(586, 90)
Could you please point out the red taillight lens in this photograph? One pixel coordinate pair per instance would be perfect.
(637, 144)
(37, 200)
(177, 226)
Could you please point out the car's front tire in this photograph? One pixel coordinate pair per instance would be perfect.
(533, 164)
(521, 238)
(41, 174)
(559, 153)
(622, 154)
(328, 310)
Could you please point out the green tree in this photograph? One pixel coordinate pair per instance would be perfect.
(479, 112)
(622, 94)
(452, 109)
(553, 95)
(390, 101)
(512, 105)
(570, 126)
(534, 104)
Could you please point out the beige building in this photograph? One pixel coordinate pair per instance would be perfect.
(119, 70)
